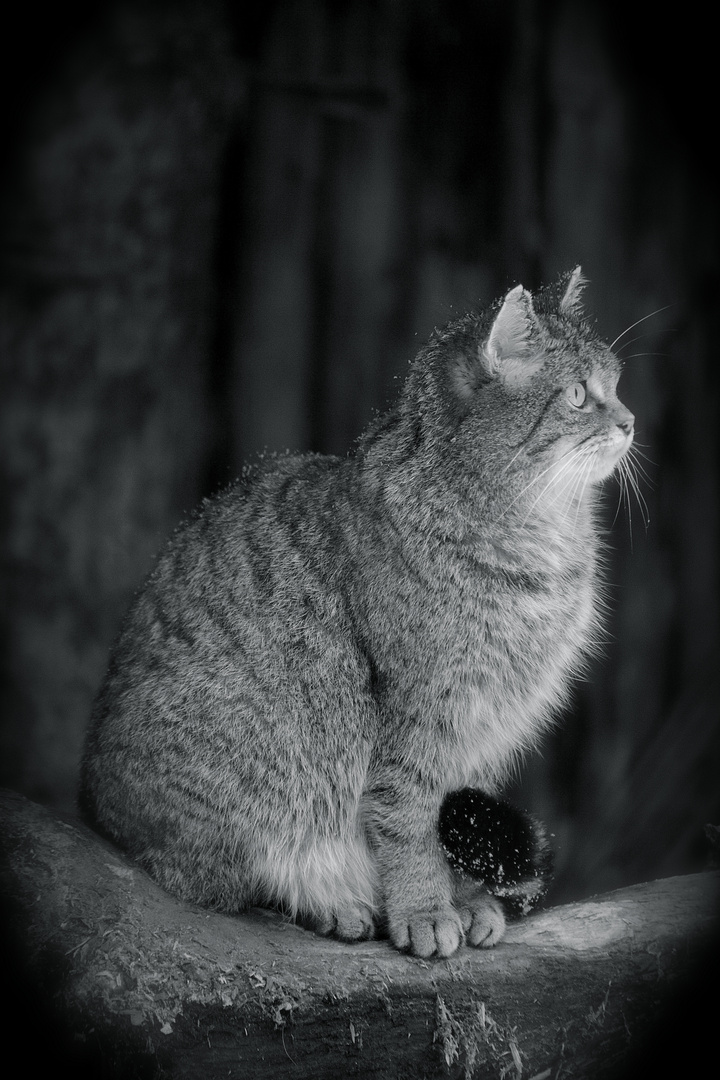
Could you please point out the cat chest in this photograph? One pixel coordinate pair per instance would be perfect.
(520, 658)
(522, 621)
(525, 638)
(482, 664)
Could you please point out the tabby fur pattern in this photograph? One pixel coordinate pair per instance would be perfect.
(333, 644)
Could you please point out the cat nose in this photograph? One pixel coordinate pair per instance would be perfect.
(626, 422)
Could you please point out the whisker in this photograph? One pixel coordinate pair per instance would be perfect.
(632, 477)
(631, 341)
(627, 344)
(513, 459)
(569, 482)
(639, 468)
(621, 494)
(575, 478)
(587, 472)
(634, 453)
(628, 479)
(626, 492)
(629, 488)
(574, 455)
(637, 323)
(566, 476)
(534, 481)
(633, 356)
(638, 452)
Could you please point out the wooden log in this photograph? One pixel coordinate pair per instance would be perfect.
(143, 985)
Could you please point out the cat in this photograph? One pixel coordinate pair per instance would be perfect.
(329, 647)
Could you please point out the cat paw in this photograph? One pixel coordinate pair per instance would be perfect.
(483, 920)
(349, 923)
(434, 932)
(354, 923)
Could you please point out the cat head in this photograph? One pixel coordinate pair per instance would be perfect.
(530, 382)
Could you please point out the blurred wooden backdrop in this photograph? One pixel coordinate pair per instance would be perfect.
(226, 228)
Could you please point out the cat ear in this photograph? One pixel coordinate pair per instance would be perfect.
(508, 352)
(572, 298)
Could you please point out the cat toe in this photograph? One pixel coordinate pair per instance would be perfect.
(354, 924)
(348, 923)
(484, 922)
(323, 925)
(481, 914)
(427, 933)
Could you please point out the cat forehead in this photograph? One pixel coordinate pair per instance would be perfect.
(581, 356)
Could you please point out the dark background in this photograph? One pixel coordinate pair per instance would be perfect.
(227, 227)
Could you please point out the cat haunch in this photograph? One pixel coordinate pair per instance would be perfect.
(331, 646)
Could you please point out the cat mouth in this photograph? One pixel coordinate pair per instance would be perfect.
(590, 461)
(596, 457)
(610, 452)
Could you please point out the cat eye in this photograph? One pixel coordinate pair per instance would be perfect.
(576, 394)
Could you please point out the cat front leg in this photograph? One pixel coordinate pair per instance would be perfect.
(426, 911)
(429, 916)
(420, 915)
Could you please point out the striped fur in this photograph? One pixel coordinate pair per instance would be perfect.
(330, 646)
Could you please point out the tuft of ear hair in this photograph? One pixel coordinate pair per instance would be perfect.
(508, 352)
(572, 297)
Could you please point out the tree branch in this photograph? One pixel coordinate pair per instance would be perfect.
(145, 985)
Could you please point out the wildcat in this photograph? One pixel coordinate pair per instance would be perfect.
(332, 645)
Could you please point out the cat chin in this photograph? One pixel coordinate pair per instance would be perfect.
(606, 465)
(602, 471)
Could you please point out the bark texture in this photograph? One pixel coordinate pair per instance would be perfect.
(129, 982)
